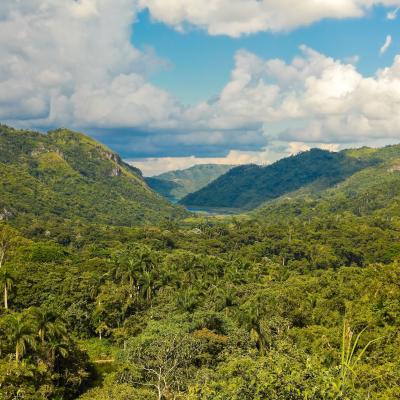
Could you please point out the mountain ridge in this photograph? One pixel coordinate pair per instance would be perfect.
(174, 185)
(70, 175)
(249, 186)
(374, 190)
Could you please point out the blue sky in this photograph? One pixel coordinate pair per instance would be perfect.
(200, 64)
(172, 83)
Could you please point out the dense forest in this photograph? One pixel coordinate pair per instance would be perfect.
(249, 186)
(299, 299)
(67, 176)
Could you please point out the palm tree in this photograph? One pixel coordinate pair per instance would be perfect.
(223, 297)
(250, 316)
(187, 299)
(147, 285)
(130, 274)
(48, 324)
(20, 334)
(145, 260)
(130, 270)
(102, 327)
(7, 282)
(57, 348)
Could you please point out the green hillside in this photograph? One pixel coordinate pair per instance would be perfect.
(70, 176)
(175, 185)
(246, 187)
(299, 299)
(372, 191)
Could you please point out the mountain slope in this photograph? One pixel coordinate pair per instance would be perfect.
(248, 186)
(175, 185)
(371, 191)
(69, 176)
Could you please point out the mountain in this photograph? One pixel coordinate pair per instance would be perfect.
(372, 191)
(204, 300)
(175, 185)
(247, 187)
(68, 176)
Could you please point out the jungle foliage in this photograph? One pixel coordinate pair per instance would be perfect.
(298, 300)
(67, 176)
(313, 172)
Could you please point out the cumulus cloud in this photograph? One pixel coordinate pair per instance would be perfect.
(298, 147)
(386, 45)
(312, 99)
(72, 63)
(355, 59)
(239, 17)
(152, 166)
(157, 165)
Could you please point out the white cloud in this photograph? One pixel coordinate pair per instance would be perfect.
(239, 17)
(152, 166)
(157, 165)
(392, 15)
(329, 146)
(352, 59)
(298, 147)
(312, 99)
(386, 45)
(85, 8)
(72, 63)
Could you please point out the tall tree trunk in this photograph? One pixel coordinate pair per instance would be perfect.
(5, 297)
(2, 254)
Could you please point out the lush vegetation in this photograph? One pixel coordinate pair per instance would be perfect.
(298, 300)
(66, 176)
(246, 187)
(175, 185)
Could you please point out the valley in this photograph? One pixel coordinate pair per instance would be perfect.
(112, 292)
(199, 200)
(175, 185)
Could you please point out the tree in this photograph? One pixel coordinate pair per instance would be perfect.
(48, 324)
(131, 274)
(132, 264)
(7, 240)
(7, 282)
(285, 374)
(250, 316)
(56, 348)
(20, 333)
(147, 285)
(165, 356)
(101, 329)
(127, 270)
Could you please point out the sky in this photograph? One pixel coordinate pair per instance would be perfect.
(173, 83)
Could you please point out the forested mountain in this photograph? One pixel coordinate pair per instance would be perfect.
(175, 185)
(70, 176)
(299, 299)
(246, 187)
(374, 190)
